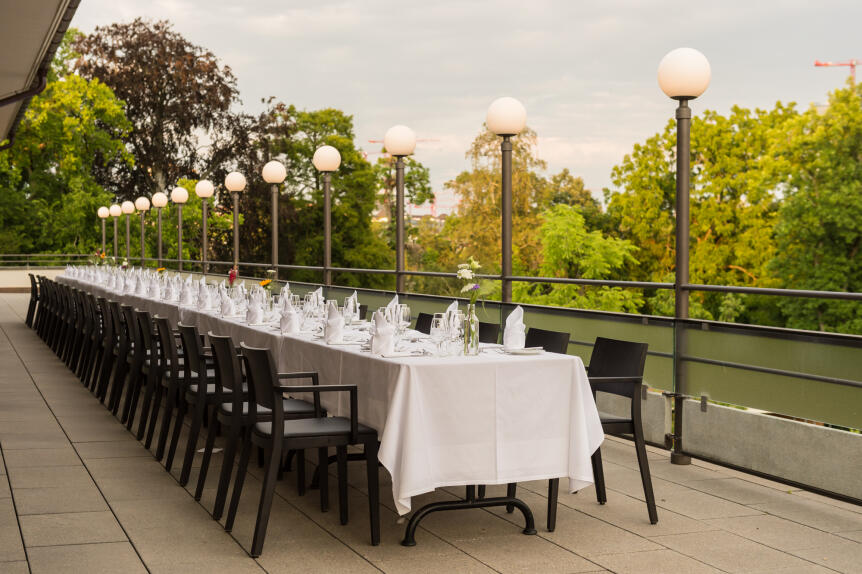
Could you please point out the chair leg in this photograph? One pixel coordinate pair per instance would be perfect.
(153, 414)
(511, 492)
(481, 493)
(599, 476)
(341, 457)
(233, 439)
(300, 472)
(182, 407)
(135, 389)
(643, 463)
(165, 428)
(273, 461)
(192, 444)
(323, 469)
(240, 479)
(205, 463)
(553, 494)
(373, 490)
(146, 405)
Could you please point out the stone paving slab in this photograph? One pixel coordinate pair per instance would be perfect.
(78, 493)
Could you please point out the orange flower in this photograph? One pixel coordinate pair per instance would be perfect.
(160, 269)
(102, 255)
(265, 282)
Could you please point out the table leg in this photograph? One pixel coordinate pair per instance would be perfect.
(469, 502)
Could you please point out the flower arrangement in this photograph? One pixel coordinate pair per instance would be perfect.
(160, 270)
(231, 276)
(98, 258)
(125, 264)
(467, 274)
(266, 284)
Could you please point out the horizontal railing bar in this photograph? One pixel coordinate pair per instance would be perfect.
(594, 282)
(778, 292)
(771, 371)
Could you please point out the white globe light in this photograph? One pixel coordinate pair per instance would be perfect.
(104, 212)
(142, 204)
(506, 117)
(234, 181)
(684, 73)
(326, 158)
(399, 140)
(160, 199)
(274, 172)
(179, 195)
(128, 207)
(116, 210)
(204, 188)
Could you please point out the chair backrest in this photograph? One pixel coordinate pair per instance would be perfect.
(145, 325)
(118, 322)
(551, 341)
(228, 372)
(192, 350)
(363, 311)
(614, 358)
(107, 323)
(423, 323)
(34, 287)
(167, 346)
(262, 376)
(133, 331)
(489, 332)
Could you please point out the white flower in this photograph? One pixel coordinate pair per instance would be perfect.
(466, 274)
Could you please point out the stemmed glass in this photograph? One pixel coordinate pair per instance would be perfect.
(439, 331)
(402, 321)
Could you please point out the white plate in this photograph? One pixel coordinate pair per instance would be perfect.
(523, 351)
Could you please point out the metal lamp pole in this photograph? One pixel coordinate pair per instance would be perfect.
(159, 232)
(274, 190)
(327, 229)
(683, 75)
(235, 228)
(506, 212)
(128, 235)
(103, 235)
(204, 190)
(506, 117)
(399, 224)
(116, 251)
(180, 236)
(142, 239)
(326, 160)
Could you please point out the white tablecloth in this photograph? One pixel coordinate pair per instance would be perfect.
(443, 421)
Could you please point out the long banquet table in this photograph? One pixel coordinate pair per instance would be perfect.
(442, 421)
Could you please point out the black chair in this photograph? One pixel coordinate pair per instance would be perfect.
(362, 313)
(171, 383)
(121, 352)
(489, 332)
(319, 432)
(34, 300)
(617, 367)
(550, 341)
(423, 323)
(234, 415)
(199, 391)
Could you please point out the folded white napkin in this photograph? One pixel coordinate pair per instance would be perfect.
(383, 340)
(154, 292)
(142, 286)
(290, 320)
(515, 333)
(204, 299)
(318, 295)
(254, 314)
(227, 308)
(187, 295)
(333, 331)
(120, 285)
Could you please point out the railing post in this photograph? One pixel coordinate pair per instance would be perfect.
(683, 151)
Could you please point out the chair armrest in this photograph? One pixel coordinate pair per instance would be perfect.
(300, 375)
(317, 389)
(633, 380)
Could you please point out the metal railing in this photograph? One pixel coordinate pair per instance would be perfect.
(28, 260)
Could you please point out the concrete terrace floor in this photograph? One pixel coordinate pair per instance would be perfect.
(78, 493)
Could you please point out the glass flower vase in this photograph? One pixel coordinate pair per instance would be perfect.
(471, 331)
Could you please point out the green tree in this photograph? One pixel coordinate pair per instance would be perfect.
(48, 193)
(733, 203)
(570, 250)
(819, 230)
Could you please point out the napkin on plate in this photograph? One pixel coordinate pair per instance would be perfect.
(227, 307)
(254, 314)
(515, 333)
(290, 320)
(383, 340)
(333, 331)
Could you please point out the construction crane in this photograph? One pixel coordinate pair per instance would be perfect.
(851, 63)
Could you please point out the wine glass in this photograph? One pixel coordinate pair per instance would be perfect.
(403, 318)
(438, 331)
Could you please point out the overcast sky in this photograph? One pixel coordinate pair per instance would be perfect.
(586, 71)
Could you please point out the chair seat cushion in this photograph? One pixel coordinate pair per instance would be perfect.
(612, 419)
(292, 407)
(330, 426)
